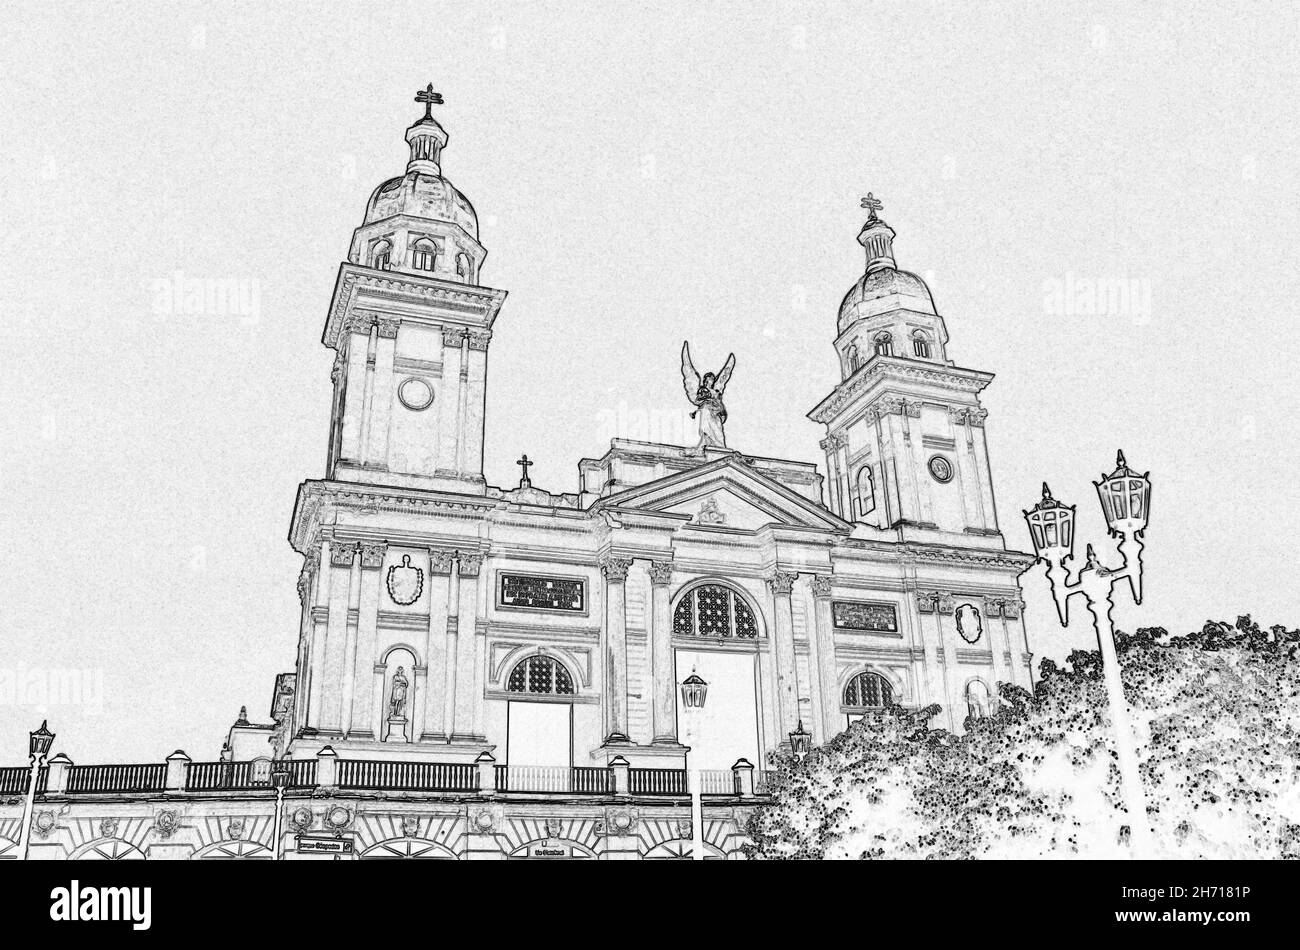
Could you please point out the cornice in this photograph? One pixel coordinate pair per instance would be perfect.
(471, 300)
(904, 371)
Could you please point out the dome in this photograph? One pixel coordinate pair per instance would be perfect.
(422, 195)
(884, 290)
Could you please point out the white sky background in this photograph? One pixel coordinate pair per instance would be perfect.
(643, 174)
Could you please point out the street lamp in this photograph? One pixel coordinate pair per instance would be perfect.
(1125, 498)
(694, 692)
(38, 746)
(280, 779)
(800, 741)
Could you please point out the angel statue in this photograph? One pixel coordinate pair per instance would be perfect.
(706, 396)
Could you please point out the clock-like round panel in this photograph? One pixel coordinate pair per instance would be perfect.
(940, 468)
(415, 393)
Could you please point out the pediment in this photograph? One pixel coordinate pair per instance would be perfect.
(726, 494)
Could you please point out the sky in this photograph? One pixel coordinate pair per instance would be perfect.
(1101, 198)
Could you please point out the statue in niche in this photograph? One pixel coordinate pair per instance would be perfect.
(705, 394)
(397, 696)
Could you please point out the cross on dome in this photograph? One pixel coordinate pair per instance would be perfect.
(430, 99)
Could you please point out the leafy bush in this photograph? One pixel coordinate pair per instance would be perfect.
(1216, 716)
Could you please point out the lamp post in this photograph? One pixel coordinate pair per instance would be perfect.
(38, 746)
(694, 691)
(280, 779)
(1125, 498)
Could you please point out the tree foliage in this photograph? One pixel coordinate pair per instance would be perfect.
(1217, 720)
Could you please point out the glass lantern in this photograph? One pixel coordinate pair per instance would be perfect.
(694, 689)
(39, 742)
(800, 741)
(1051, 526)
(1125, 499)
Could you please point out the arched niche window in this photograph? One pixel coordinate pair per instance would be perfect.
(921, 345)
(854, 356)
(884, 345)
(978, 704)
(424, 255)
(462, 265)
(540, 674)
(866, 491)
(712, 610)
(868, 691)
(381, 256)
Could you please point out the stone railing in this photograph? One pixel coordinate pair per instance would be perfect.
(179, 775)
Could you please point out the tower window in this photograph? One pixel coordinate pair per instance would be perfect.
(854, 356)
(424, 256)
(462, 265)
(921, 345)
(884, 345)
(382, 256)
(868, 691)
(866, 491)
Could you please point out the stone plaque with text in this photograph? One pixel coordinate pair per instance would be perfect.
(541, 592)
(856, 616)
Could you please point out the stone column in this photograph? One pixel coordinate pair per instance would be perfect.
(467, 649)
(356, 353)
(381, 394)
(826, 693)
(663, 676)
(329, 709)
(439, 645)
(787, 690)
(359, 699)
(476, 390)
(448, 407)
(615, 571)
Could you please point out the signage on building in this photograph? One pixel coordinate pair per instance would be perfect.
(541, 592)
(311, 845)
(849, 615)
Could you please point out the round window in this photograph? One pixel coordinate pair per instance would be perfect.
(940, 468)
(415, 393)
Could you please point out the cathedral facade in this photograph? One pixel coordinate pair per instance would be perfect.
(492, 672)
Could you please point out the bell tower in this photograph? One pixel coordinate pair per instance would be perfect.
(410, 325)
(905, 447)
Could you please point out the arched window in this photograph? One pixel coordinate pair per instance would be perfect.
(868, 691)
(462, 265)
(866, 491)
(382, 255)
(977, 700)
(540, 674)
(921, 345)
(884, 345)
(712, 610)
(854, 356)
(424, 255)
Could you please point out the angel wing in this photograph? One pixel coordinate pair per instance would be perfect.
(690, 378)
(721, 382)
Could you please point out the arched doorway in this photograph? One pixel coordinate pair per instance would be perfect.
(716, 635)
(539, 723)
(109, 849)
(552, 849)
(407, 848)
(226, 850)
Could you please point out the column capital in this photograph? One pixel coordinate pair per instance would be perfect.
(478, 339)
(451, 336)
(372, 554)
(832, 442)
(615, 569)
(343, 553)
(821, 586)
(661, 573)
(782, 583)
(440, 560)
(470, 564)
(388, 327)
